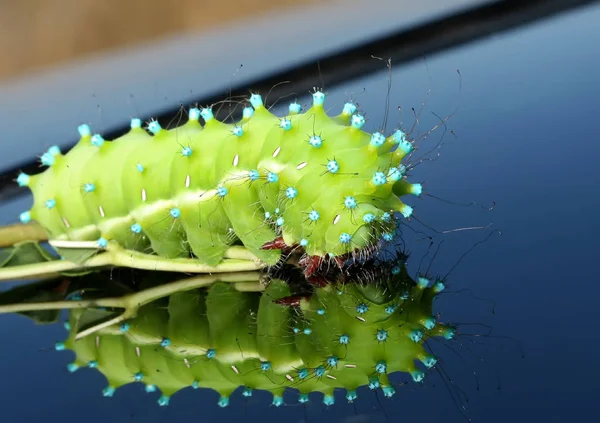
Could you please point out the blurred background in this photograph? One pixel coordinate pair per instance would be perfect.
(38, 33)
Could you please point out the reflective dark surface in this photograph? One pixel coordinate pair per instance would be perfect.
(525, 139)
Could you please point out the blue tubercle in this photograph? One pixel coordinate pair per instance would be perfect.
(175, 213)
(194, 114)
(416, 189)
(272, 177)
(222, 191)
(362, 308)
(248, 112)
(321, 311)
(139, 167)
(25, 217)
(318, 98)
(165, 342)
(333, 166)
(396, 270)
(97, 140)
(247, 392)
(150, 388)
(136, 228)
(223, 401)
(388, 391)
(163, 400)
(399, 136)
(154, 127)
(381, 335)
(429, 323)
(416, 335)
(407, 211)
(429, 361)
(391, 308)
(291, 192)
(374, 382)
(379, 178)
(406, 146)
(124, 327)
(84, 130)
(328, 400)
(344, 339)
(303, 242)
(89, 187)
(135, 123)
(332, 361)
(295, 108)
(388, 236)
(345, 238)
(438, 287)
(277, 401)
(303, 398)
(138, 376)
(109, 391)
(351, 395)
(265, 365)
(23, 179)
(417, 375)
(449, 333)
(54, 150)
(349, 109)
(195, 384)
(307, 331)
(303, 373)
(422, 282)
(381, 366)
(350, 202)
(314, 215)
(377, 139)
(357, 121)
(92, 364)
(50, 204)
(186, 151)
(253, 175)
(47, 159)
(59, 346)
(237, 131)
(280, 221)
(316, 141)
(320, 371)
(207, 114)
(369, 218)
(285, 124)
(102, 242)
(211, 353)
(256, 101)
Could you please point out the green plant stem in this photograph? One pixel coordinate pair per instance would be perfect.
(118, 256)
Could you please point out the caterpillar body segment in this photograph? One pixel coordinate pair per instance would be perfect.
(319, 183)
(343, 336)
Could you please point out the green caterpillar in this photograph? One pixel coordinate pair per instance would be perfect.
(344, 335)
(305, 181)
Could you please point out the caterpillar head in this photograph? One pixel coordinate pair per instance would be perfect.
(329, 186)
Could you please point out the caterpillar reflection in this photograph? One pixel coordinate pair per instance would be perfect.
(306, 181)
(343, 336)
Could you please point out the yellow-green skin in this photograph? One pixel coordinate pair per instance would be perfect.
(200, 189)
(222, 339)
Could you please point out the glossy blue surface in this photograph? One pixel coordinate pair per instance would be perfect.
(527, 139)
